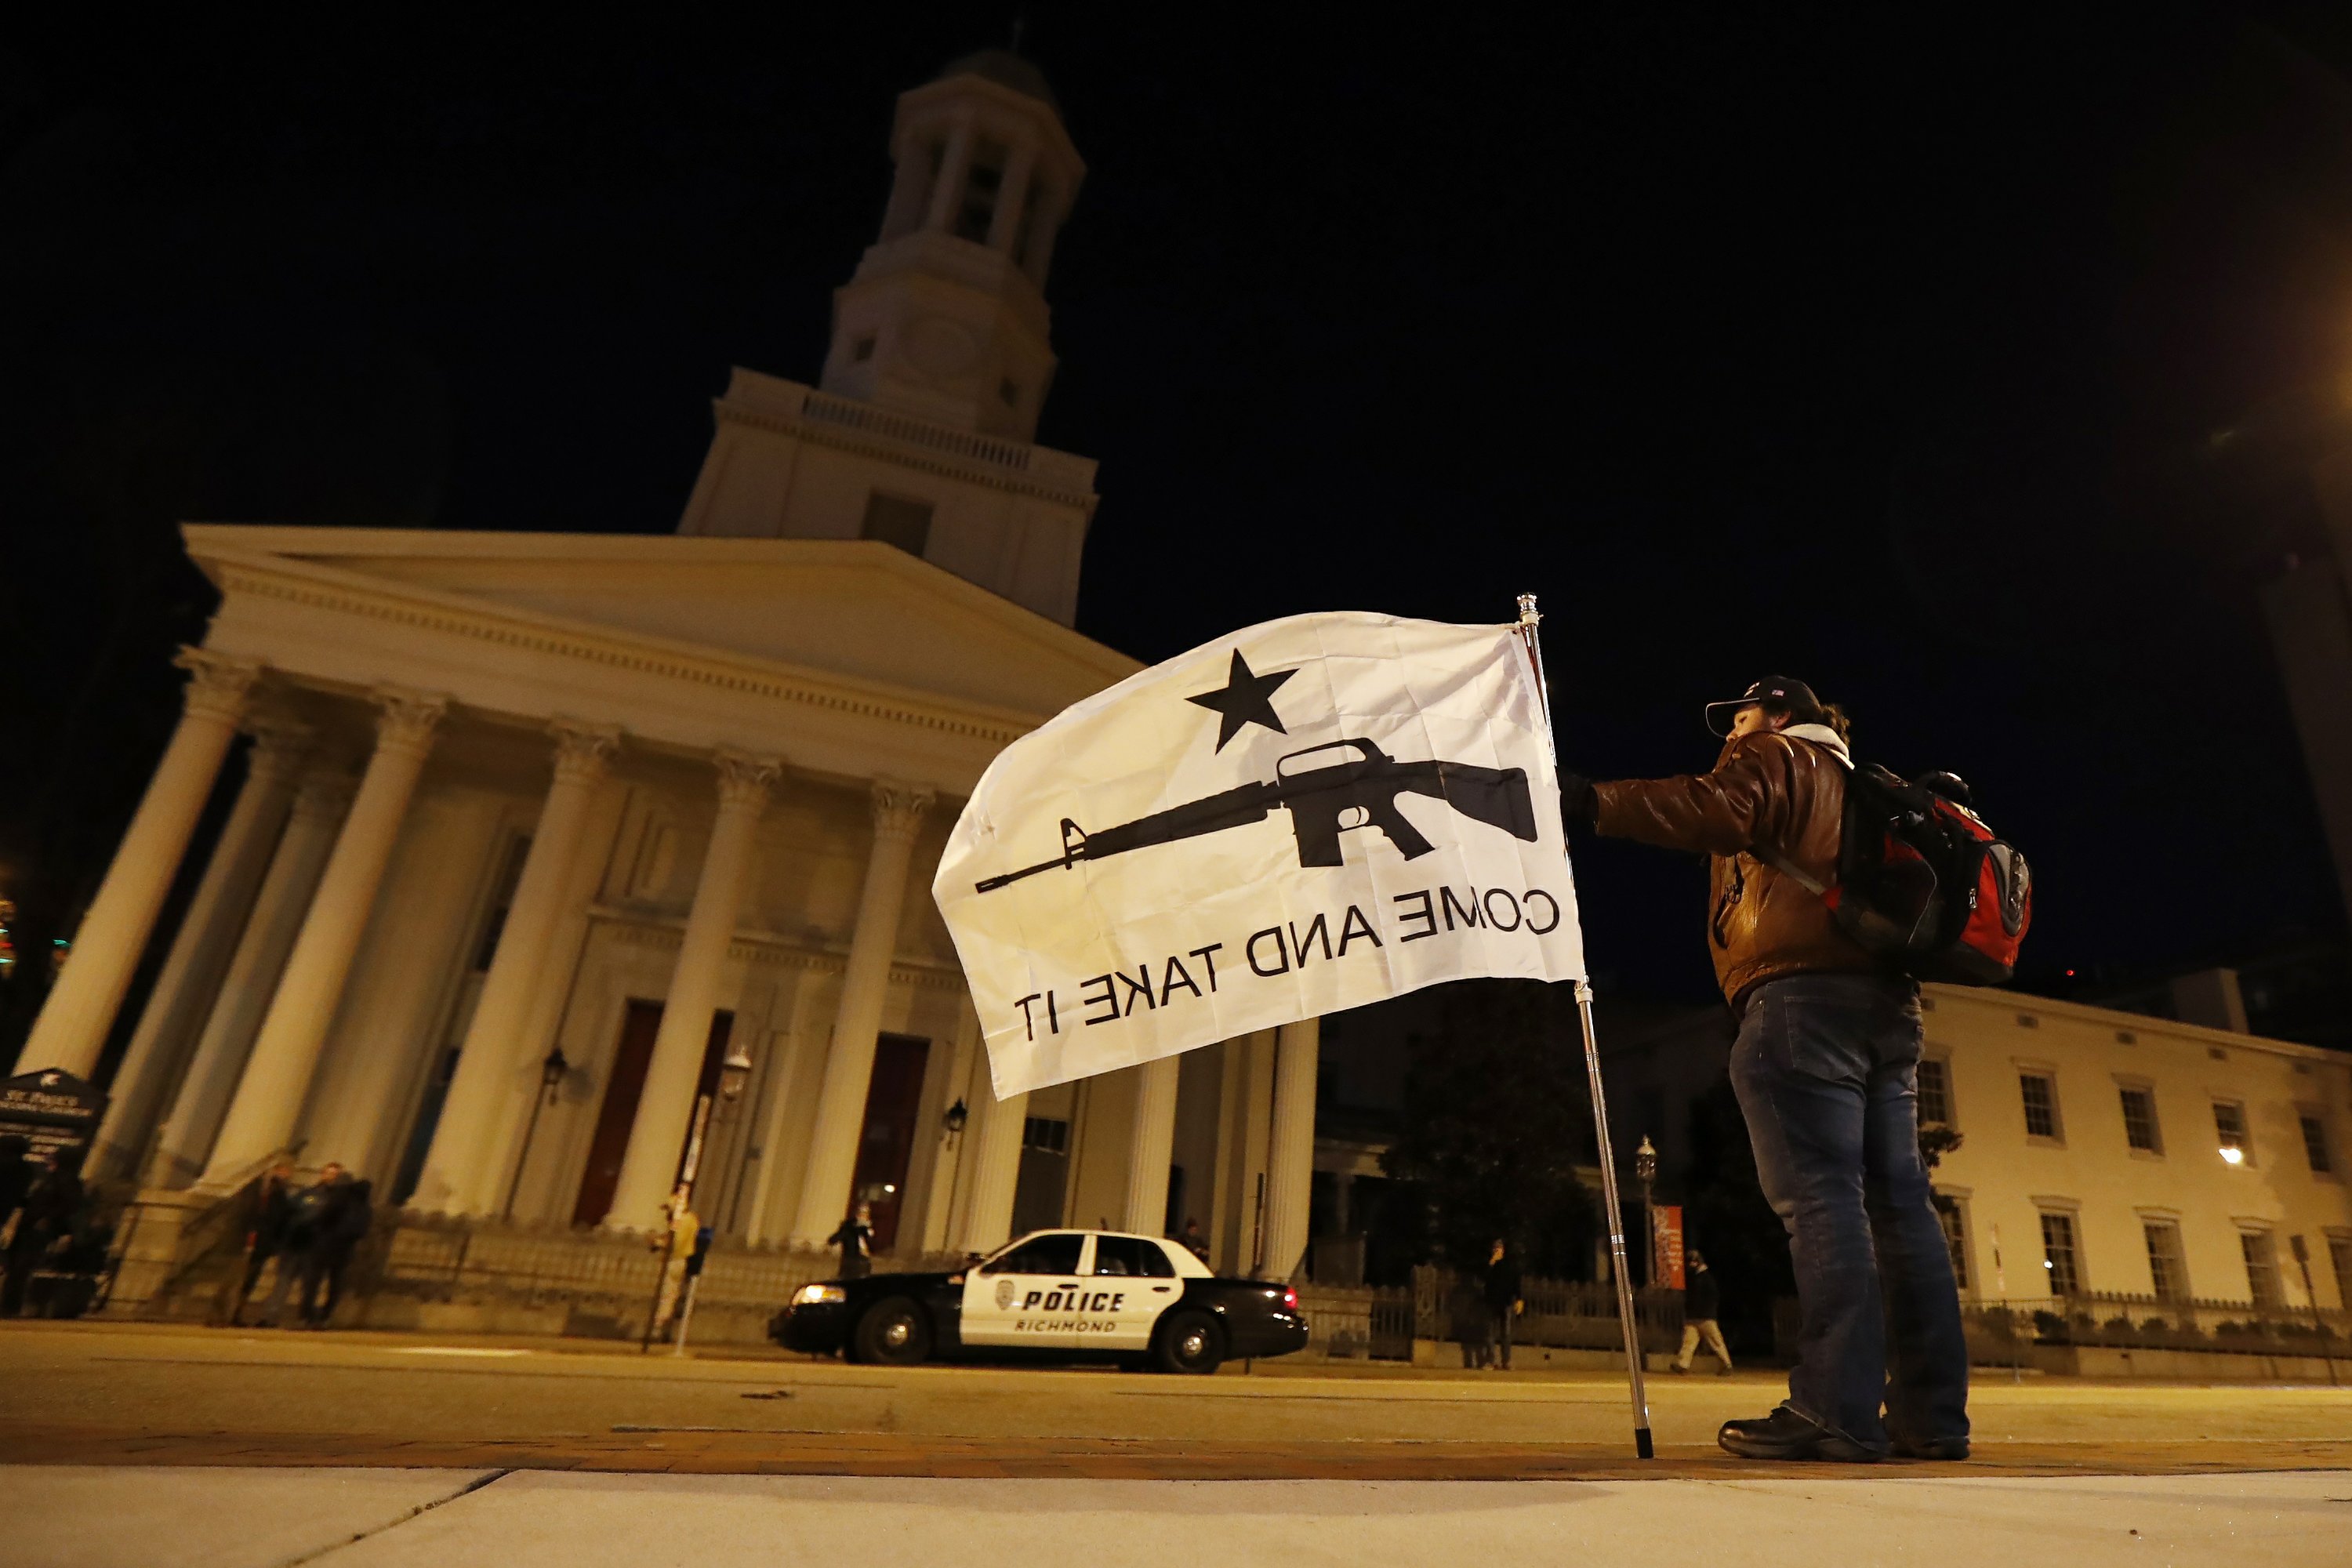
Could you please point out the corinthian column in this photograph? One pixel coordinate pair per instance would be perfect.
(278, 1074)
(665, 1104)
(200, 952)
(1155, 1137)
(464, 1173)
(245, 991)
(75, 1019)
(857, 1019)
(995, 1173)
(1290, 1158)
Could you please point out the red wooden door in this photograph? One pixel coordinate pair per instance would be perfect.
(624, 1087)
(886, 1146)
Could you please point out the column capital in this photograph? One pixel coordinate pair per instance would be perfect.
(582, 748)
(744, 780)
(217, 684)
(899, 808)
(408, 719)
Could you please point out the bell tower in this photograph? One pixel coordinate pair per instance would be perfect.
(921, 434)
(945, 318)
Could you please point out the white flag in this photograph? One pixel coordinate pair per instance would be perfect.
(1307, 816)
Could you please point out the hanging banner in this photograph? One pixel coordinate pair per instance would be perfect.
(1307, 816)
(1666, 1234)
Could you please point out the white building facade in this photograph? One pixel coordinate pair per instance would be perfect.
(2112, 1154)
(670, 807)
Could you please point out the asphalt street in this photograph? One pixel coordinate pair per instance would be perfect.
(241, 1448)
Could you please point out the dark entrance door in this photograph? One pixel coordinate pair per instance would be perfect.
(640, 1024)
(887, 1147)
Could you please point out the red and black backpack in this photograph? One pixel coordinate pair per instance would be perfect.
(1922, 882)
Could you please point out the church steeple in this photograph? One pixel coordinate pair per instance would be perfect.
(946, 316)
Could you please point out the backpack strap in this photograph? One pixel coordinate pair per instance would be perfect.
(1773, 857)
(1788, 869)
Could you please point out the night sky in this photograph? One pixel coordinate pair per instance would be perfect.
(1886, 354)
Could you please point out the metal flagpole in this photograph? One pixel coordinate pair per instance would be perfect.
(1643, 1447)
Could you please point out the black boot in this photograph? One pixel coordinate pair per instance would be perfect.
(1929, 1448)
(1785, 1435)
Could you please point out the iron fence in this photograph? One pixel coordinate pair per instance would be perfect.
(1565, 1314)
(2115, 1321)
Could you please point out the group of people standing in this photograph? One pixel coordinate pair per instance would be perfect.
(311, 1232)
(40, 1207)
(1487, 1304)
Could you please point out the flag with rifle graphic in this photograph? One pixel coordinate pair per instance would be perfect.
(1307, 816)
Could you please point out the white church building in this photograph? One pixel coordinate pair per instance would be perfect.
(540, 841)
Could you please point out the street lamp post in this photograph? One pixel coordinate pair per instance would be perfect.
(1645, 1171)
(551, 1079)
(734, 1072)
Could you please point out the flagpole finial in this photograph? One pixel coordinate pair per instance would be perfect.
(1527, 615)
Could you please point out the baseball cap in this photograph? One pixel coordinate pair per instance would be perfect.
(1784, 689)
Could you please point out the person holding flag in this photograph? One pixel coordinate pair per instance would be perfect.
(1825, 1066)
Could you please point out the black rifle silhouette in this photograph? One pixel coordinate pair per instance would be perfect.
(1317, 798)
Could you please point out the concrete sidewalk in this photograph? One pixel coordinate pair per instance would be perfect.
(64, 1517)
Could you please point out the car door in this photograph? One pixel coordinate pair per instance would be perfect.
(1027, 1294)
(1133, 1282)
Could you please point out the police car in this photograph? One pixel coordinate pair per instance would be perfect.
(1052, 1295)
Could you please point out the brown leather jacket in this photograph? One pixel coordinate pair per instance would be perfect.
(1768, 788)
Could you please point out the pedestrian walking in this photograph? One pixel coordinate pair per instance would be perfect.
(1193, 1241)
(1825, 1067)
(268, 1200)
(1700, 1305)
(349, 1214)
(856, 1239)
(1505, 1302)
(50, 1209)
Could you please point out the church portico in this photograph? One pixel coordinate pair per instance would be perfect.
(547, 841)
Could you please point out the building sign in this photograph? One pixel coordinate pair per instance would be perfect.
(50, 1110)
(1666, 1240)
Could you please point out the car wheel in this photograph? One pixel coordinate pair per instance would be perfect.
(1189, 1342)
(893, 1332)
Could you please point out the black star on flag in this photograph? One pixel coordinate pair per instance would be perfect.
(1245, 699)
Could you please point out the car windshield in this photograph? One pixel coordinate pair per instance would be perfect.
(1054, 1254)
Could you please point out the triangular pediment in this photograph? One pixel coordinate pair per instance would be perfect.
(846, 607)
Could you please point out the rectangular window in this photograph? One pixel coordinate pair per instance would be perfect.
(2167, 1265)
(2315, 1144)
(1935, 1092)
(1047, 1133)
(2230, 1128)
(2339, 1252)
(2139, 1118)
(895, 520)
(2261, 1250)
(2058, 1255)
(2041, 1096)
(1956, 1238)
(981, 186)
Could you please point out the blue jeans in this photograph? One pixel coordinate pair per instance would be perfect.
(1826, 1067)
